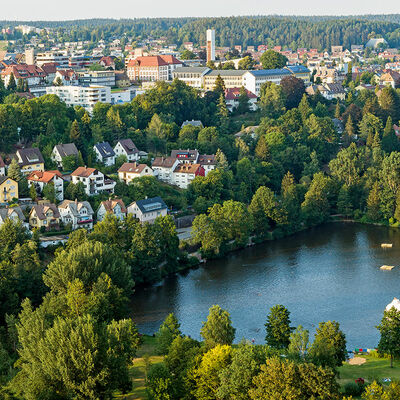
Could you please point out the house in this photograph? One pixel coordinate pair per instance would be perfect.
(32, 74)
(29, 160)
(391, 78)
(232, 99)
(60, 151)
(41, 179)
(78, 214)
(130, 171)
(107, 62)
(114, 206)
(195, 123)
(208, 162)
(148, 210)
(44, 216)
(13, 213)
(104, 153)
(94, 181)
(164, 167)
(2, 166)
(128, 149)
(329, 91)
(8, 189)
(68, 77)
(50, 69)
(184, 174)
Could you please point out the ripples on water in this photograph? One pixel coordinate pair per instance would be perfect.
(327, 273)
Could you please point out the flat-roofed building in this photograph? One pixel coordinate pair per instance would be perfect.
(232, 78)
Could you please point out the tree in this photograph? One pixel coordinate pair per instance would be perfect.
(32, 192)
(390, 103)
(159, 383)
(373, 203)
(187, 55)
(218, 329)
(272, 99)
(49, 192)
(223, 114)
(14, 171)
(349, 131)
(389, 329)
(262, 151)
(11, 83)
(221, 159)
(299, 342)
(329, 346)
(74, 133)
(272, 59)
(243, 100)
(168, 331)
(390, 141)
(207, 374)
(246, 63)
(278, 327)
(338, 110)
(304, 108)
(219, 86)
(228, 65)
(293, 88)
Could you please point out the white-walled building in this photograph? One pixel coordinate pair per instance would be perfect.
(127, 148)
(77, 213)
(94, 181)
(184, 174)
(192, 76)
(41, 179)
(164, 167)
(115, 207)
(253, 80)
(104, 153)
(84, 96)
(2, 167)
(148, 210)
(59, 57)
(96, 78)
(60, 151)
(210, 45)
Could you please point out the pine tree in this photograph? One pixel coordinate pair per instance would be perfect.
(243, 100)
(74, 133)
(349, 131)
(390, 142)
(223, 115)
(219, 86)
(304, 108)
(14, 171)
(222, 162)
(32, 192)
(262, 150)
(373, 203)
(338, 110)
(20, 85)
(11, 83)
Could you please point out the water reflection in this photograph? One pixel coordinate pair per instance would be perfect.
(329, 272)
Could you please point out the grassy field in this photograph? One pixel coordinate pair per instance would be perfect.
(145, 355)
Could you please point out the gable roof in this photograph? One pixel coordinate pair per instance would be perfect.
(65, 150)
(165, 162)
(84, 172)
(147, 61)
(109, 205)
(42, 209)
(30, 156)
(207, 159)
(191, 155)
(4, 178)
(234, 93)
(105, 149)
(76, 206)
(7, 213)
(150, 205)
(187, 168)
(133, 167)
(195, 123)
(128, 146)
(46, 176)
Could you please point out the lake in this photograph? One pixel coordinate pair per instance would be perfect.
(327, 273)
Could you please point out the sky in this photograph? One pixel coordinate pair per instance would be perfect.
(81, 9)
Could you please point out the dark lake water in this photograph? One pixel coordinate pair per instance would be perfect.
(327, 273)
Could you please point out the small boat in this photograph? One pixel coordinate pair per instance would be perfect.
(387, 267)
(387, 245)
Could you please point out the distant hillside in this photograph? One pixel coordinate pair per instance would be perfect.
(295, 31)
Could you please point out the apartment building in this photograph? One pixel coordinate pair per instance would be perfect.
(94, 181)
(97, 78)
(59, 57)
(32, 74)
(85, 96)
(41, 179)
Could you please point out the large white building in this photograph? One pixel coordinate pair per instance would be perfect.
(192, 76)
(85, 96)
(253, 80)
(59, 57)
(98, 78)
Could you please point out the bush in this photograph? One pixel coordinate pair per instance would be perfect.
(353, 389)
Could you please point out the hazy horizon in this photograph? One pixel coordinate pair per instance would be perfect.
(44, 10)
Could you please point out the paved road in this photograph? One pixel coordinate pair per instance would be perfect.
(184, 233)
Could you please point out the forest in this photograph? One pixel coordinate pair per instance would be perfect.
(292, 32)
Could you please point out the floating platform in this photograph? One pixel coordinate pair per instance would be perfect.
(387, 245)
(387, 267)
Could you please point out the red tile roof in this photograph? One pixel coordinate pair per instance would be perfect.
(84, 172)
(45, 176)
(234, 93)
(24, 71)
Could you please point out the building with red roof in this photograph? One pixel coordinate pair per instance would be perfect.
(40, 179)
(33, 74)
(232, 98)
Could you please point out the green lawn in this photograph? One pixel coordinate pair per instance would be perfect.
(373, 369)
(138, 370)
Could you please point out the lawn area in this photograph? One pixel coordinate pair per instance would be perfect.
(138, 369)
(373, 369)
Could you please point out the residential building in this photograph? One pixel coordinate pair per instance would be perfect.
(2, 166)
(13, 213)
(44, 216)
(113, 206)
(8, 189)
(391, 78)
(210, 47)
(78, 214)
(184, 174)
(253, 80)
(127, 148)
(122, 96)
(328, 90)
(68, 77)
(32, 74)
(164, 167)
(60, 151)
(232, 78)
(61, 58)
(130, 171)
(107, 62)
(148, 210)
(50, 69)
(104, 153)
(94, 181)
(186, 156)
(300, 72)
(208, 162)
(232, 99)
(41, 179)
(96, 78)
(84, 96)
(195, 123)
(29, 160)
(173, 64)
